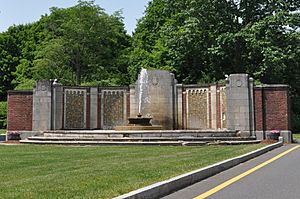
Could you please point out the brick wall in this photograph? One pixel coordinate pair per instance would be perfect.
(19, 114)
(271, 107)
(258, 109)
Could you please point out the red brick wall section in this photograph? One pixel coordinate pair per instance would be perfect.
(19, 114)
(277, 116)
(258, 109)
(276, 112)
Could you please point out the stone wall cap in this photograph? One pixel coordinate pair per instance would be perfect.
(202, 85)
(272, 86)
(14, 92)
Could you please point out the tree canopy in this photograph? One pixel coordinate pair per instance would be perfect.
(198, 40)
(205, 39)
(77, 45)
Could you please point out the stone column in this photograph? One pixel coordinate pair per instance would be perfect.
(133, 102)
(239, 94)
(158, 97)
(179, 106)
(41, 115)
(213, 105)
(57, 107)
(93, 107)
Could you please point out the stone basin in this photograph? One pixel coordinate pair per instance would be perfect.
(139, 121)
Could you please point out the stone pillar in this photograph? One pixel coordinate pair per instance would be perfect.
(41, 115)
(179, 106)
(158, 97)
(93, 107)
(213, 97)
(239, 94)
(133, 103)
(57, 107)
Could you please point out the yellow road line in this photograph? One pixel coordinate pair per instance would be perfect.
(229, 182)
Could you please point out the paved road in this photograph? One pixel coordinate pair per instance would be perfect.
(279, 179)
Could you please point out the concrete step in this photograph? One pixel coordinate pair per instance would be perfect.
(140, 139)
(152, 133)
(153, 137)
(58, 142)
(161, 143)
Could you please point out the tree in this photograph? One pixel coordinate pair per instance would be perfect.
(9, 59)
(180, 37)
(203, 40)
(85, 41)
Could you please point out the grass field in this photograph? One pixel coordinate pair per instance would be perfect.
(32, 171)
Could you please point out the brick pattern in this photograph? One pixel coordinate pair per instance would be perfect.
(272, 108)
(258, 109)
(19, 114)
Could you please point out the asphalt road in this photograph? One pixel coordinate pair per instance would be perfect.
(279, 179)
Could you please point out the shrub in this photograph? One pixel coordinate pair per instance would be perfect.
(3, 113)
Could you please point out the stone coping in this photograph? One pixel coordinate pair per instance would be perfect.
(138, 131)
(272, 86)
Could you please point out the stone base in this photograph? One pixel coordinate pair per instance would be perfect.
(138, 128)
(21, 135)
(287, 135)
(244, 134)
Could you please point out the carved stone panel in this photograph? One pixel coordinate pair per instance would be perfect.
(113, 108)
(197, 109)
(75, 109)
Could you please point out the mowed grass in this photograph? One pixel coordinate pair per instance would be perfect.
(34, 171)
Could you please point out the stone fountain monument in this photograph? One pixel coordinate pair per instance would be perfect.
(152, 101)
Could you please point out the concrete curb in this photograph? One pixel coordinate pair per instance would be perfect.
(169, 186)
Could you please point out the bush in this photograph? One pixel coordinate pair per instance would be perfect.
(3, 114)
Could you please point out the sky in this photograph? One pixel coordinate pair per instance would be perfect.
(28, 11)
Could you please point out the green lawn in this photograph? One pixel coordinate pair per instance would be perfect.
(32, 171)
(2, 131)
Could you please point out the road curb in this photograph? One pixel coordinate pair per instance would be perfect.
(169, 186)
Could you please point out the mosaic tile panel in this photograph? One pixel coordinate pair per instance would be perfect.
(197, 109)
(75, 109)
(113, 109)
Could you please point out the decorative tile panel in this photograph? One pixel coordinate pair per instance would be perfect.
(113, 108)
(197, 108)
(75, 109)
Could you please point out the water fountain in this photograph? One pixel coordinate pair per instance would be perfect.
(143, 81)
(140, 122)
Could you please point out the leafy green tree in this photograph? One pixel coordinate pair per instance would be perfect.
(84, 41)
(3, 113)
(203, 40)
(180, 37)
(81, 44)
(9, 59)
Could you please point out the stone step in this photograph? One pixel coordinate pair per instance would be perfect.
(143, 139)
(167, 143)
(161, 143)
(152, 133)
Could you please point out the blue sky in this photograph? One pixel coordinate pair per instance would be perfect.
(27, 11)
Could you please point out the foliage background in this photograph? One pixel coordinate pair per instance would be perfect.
(3, 113)
(198, 40)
